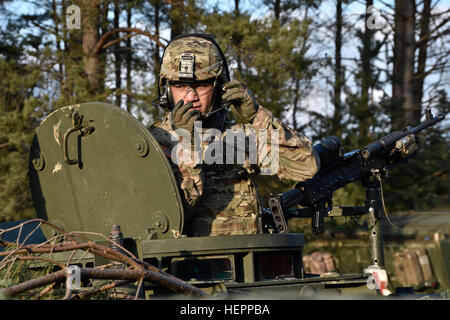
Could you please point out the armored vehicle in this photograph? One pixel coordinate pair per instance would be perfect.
(95, 169)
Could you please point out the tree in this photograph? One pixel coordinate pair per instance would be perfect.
(403, 72)
(411, 56)
(336, 121)
(363, 109)
(117, 54)
(19, 113)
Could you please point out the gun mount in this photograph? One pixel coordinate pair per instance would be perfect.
(339, 169)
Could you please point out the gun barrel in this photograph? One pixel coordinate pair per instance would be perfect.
(386, 143)
(428, 123)
(383, 144)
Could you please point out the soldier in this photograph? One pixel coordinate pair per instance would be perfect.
(194, 85)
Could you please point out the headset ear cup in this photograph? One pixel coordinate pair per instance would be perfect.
(169, 95)
(165, 98)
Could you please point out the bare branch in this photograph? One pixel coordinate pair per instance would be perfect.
(106, 287)
(433, 68)
(427, 37)
(140, 269)
(34, 283)
(118, 40)
(46, 290)
(116, 274)
(108, 34)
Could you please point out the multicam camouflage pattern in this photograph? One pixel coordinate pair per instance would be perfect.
(208, 64)
(222, 199)
(298, 160)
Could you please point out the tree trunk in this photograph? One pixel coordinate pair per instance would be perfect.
(156, 54)
(90, 34)
(422, 58)
(410, 43)
(128, 58)
(237, 13)
(403, 78)
(339, 78)
(296, 77)
(66, 57)
(397, 70)
(277, 9)
(104, 28)
(176, 20)
(295, 104)
(366, 78)
(59, 52)
(117, 55)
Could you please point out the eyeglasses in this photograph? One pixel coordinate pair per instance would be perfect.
(199, 88)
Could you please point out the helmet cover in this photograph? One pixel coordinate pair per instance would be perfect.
(191, 58)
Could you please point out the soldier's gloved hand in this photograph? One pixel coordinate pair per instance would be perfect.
(184, 118)
(243, 105)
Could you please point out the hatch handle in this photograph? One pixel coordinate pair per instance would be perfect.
(77, 124)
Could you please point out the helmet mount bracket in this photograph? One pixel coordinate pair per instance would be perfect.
(187, 65)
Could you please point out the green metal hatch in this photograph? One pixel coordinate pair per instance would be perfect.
(93, 165)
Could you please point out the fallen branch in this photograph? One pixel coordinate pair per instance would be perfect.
(136, 269)
(34, 283)
(106, 287)
(46, 290)
(110, 274)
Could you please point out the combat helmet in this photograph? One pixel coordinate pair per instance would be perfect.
(189, 58)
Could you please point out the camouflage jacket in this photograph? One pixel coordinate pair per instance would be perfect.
(220, 196)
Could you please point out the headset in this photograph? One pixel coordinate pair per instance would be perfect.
(165, 98)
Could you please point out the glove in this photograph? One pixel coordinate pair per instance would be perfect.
(183, 118)
(243, 105)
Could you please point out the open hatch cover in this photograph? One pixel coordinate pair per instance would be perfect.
(93, 165)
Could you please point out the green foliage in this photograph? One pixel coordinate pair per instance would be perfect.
(423, 182)
(19, 271)
(264, 54)
(19, 114)
(351, 195)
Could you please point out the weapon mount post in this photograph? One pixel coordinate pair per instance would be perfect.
(375, 209)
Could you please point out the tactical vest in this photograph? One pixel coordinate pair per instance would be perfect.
(229, 204)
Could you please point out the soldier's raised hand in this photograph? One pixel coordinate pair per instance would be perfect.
(243, 105)
(183, 117)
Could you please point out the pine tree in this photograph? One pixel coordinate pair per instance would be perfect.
(19, 114)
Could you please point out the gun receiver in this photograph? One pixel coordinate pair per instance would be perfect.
(339, 169)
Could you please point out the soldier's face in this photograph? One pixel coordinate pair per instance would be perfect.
(199, 93)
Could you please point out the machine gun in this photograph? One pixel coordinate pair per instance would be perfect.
(339, 169)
